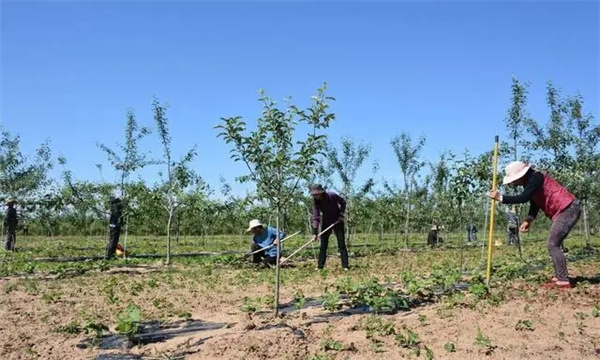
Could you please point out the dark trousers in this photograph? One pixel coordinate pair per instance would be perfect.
(261, 256)
(339, 234)
(560, 229)
(10, 237)
(113, 241)
(513, 235)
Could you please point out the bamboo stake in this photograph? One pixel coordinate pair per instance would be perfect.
(492, 208)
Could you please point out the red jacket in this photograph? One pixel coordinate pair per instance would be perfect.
(552, 198)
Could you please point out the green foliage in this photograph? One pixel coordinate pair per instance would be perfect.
(407, 339)
(333, 345)
(331, 301)
(376, 326)
(450, 347)
(128, 322)
(378, 297)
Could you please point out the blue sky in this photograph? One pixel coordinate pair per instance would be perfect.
(70, 70)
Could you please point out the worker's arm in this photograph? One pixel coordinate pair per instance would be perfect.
(536, 181)
(533, 211)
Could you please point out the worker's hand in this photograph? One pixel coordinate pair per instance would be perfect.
(525, 225)
(495, 195)
(315, 238)
(275, 241)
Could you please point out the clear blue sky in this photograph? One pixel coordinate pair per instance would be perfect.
(69, 70)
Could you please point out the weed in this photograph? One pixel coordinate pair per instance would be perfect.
(299, 299)
(407, 339)
(422, 319)
(330, 344)
(484, 342)
(428, 353)
(479, 290)
(376, 347)
(596, 311)
(96, 329)
(51, 297)
(71, 328)
(524, 325)
(375, 325)
(10, 287)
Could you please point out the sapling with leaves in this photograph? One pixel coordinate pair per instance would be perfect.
(408, 157)
(178, 176)
(346, 162)
(125, 160)
(275, 163)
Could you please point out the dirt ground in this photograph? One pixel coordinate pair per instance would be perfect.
(554, 324)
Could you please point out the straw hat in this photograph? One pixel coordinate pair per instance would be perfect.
(514, 171)
(254, 223)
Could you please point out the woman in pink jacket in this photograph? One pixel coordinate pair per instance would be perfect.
(547, 194)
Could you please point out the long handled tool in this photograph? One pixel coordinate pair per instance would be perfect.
(492, 208)
(270, 246)
(308, 243)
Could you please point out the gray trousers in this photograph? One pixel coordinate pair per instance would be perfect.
(560, 229)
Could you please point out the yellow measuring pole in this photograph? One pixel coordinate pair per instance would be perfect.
(492, 208)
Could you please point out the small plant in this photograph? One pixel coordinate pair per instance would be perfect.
(596, 311)
(478, 290)
(299, 299)
(374, 325)
(407, 339)
(10, 287)
(429, 355)
(422, 319)
(185, 315)
(527, 309)
(330, 344)
(484, 342)
(524, 325)
(331, 301)
(376, 346)
(581, 316)
(96, 329)
(128, 323)
(449, 347)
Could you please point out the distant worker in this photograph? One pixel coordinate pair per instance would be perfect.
(10, 225)
(545, 193)
(332, 206)
(513, 227)
(115, 224)
(472, 233)
(432, 237)
(263, 237)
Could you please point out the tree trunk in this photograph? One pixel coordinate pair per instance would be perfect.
(586, 225)
(169, 236)
(277, 271)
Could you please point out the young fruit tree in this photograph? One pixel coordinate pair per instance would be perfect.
(126, 160)
(346, 162)
(179, 176)
(408, 157)
(277, 157)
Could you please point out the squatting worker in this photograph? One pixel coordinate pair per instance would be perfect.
(332, 207)
(263, 237)
(545, 193)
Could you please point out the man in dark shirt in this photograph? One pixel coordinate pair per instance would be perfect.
(115, 223)
(332, 206)
(10, 225)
